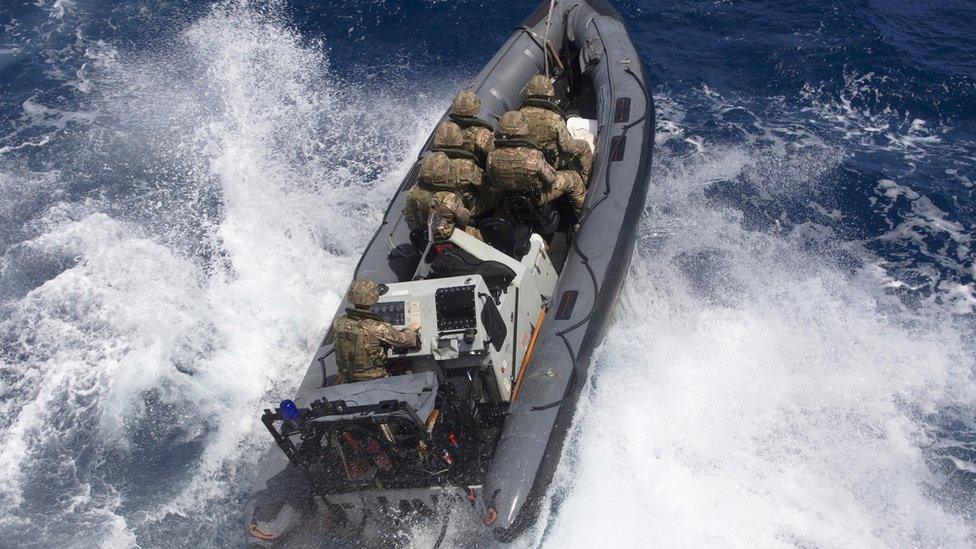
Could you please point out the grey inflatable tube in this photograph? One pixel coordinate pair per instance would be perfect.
(532, 442)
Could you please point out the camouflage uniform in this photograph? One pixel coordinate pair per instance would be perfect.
(515, 164)
(571, 184)
(434, 176)
(445, 229)
(476, 133)
(451, 213)
(437, 186)
(547, 128)
(466, 173)
(361, 338)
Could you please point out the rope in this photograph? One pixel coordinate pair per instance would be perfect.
(545, 54)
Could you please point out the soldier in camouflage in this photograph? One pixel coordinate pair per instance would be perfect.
(435, 171)
(436, 185)
(476, 132)
(547, 127)
(362, 338)
(466, 173)
(517, 164)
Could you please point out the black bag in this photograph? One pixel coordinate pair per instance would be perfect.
(453, 261)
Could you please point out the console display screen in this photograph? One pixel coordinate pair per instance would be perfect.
(455, 308)
(391, 312)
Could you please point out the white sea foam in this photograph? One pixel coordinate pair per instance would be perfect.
(860, 113)
(935, 236)
(750, 394)
(57, 9)
(928, 246)
(134, 332)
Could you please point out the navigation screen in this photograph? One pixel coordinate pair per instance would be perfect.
(391, 312)
(455, 308)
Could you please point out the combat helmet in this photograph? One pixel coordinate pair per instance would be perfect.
(448, 135)
(513, 124)
(450, 205)
(436, 168)
(442, 226)
(540, 86)
(363, 293)
(466, 103)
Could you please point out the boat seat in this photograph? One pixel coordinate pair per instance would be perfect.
(524, 209)
(506, 237)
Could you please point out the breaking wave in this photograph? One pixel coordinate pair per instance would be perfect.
(791, 363)
(760, 388)
(147, 321)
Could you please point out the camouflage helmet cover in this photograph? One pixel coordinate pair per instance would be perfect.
(436, 168)
(466, 103)
(363, 293)
(443, 225)
(513, 124)
(450, 205)
(540, 86)
(448, 134)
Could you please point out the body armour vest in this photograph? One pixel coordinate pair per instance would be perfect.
(544, 128)
(417, 207)
(477, 135)
(515, 168)
(464, 180)
(466, 175)
(357, 357)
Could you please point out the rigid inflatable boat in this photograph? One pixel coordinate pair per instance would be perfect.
(473, 420)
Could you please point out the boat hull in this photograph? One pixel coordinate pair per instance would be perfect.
(537, 422)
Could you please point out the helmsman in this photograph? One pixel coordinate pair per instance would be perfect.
(362, 338)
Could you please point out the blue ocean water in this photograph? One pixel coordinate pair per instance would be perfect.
(185, 188)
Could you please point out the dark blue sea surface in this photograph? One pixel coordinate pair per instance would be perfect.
(185, 188)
